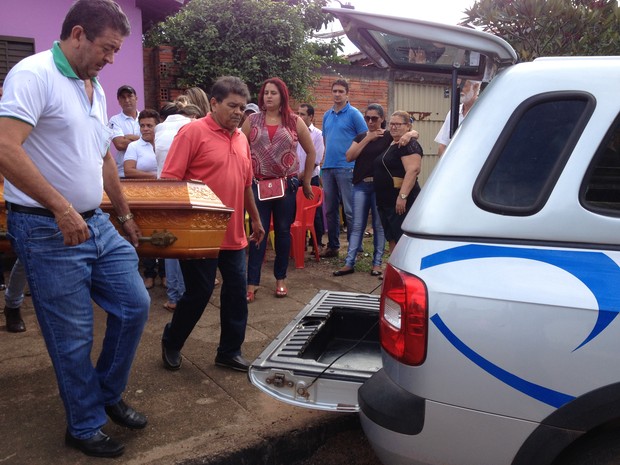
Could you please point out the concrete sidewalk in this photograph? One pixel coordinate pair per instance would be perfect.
(201, 414)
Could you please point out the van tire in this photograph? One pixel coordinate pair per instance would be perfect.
(601, 449)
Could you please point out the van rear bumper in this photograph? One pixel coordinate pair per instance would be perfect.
(390, 406)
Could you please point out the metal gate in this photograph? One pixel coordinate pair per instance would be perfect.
(428, 104)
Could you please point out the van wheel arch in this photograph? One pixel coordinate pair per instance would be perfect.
(574, 426)
(596, 448)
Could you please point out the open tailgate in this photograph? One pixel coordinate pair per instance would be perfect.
(324, 354)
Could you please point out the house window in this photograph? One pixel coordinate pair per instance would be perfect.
(13, 50)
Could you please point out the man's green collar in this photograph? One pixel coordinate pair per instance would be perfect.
(61, 62)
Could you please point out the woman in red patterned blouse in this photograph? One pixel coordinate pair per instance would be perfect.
(273, 134)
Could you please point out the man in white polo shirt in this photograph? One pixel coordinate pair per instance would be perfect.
(54, 154)
(125, 125)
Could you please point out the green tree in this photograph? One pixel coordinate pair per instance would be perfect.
(251, 39)
(537, 28)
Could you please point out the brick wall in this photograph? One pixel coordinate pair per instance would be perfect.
(366, 85)
(160, 77)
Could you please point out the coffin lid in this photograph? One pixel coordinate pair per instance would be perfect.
(165, 194)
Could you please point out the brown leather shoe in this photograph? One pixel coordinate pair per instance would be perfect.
(14, 322)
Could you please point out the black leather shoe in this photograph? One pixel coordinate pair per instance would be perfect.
(330, 253)
(14, 322)
(235, 363)
(344, 272)
(100, 445)
(122, 414)
(172, 358)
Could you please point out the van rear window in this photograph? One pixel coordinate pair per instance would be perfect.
(531, 152)
(600, 191)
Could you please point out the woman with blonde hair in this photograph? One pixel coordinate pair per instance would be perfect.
(395, 177)
(198, 97)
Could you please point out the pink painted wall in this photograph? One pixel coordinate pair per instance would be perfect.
(41, 20)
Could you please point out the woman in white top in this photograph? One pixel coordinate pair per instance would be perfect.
(175, 115)
(140, 160)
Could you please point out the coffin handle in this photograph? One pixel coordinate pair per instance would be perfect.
(160, 238)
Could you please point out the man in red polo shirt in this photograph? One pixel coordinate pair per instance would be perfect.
(213, 150)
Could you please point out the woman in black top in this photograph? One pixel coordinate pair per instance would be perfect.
(395, 178)
(366, 147)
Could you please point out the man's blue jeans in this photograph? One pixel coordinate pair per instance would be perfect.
(199, 277)
(63, 280)
(337, 187)
(364, 201)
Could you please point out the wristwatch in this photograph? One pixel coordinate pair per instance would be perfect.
(123, 219)
(403, 196)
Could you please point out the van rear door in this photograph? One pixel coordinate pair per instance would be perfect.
(422, 46)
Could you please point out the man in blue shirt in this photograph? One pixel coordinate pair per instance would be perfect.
(340, 125)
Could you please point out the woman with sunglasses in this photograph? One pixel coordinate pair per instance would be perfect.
(366, 147)
(396, 177)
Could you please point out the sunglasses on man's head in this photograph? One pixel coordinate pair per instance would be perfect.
(374, 119)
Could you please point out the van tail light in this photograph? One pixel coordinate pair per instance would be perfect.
(403, 317)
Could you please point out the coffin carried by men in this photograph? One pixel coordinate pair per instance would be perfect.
(178, 219)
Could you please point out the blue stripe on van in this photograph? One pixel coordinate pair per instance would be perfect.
(548, 396)
(595, 269)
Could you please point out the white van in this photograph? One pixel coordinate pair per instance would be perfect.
(497, 339)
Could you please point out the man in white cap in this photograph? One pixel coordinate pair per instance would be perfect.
(249, 109)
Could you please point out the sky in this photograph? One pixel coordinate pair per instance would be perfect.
(441, 11)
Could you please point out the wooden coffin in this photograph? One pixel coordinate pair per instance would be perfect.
(178, 219)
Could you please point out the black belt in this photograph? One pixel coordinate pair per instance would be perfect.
(13, 207)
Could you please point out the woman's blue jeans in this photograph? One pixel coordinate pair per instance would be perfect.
(63, 280)
(363, 203)
(283, 210)
(175, 286)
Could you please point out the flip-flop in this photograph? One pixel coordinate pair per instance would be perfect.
(169, 307)
(281, 291)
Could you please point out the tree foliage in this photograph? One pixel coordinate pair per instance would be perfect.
(251, 39)
(538, 28)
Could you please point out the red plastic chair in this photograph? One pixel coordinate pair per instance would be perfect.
(304, 222)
